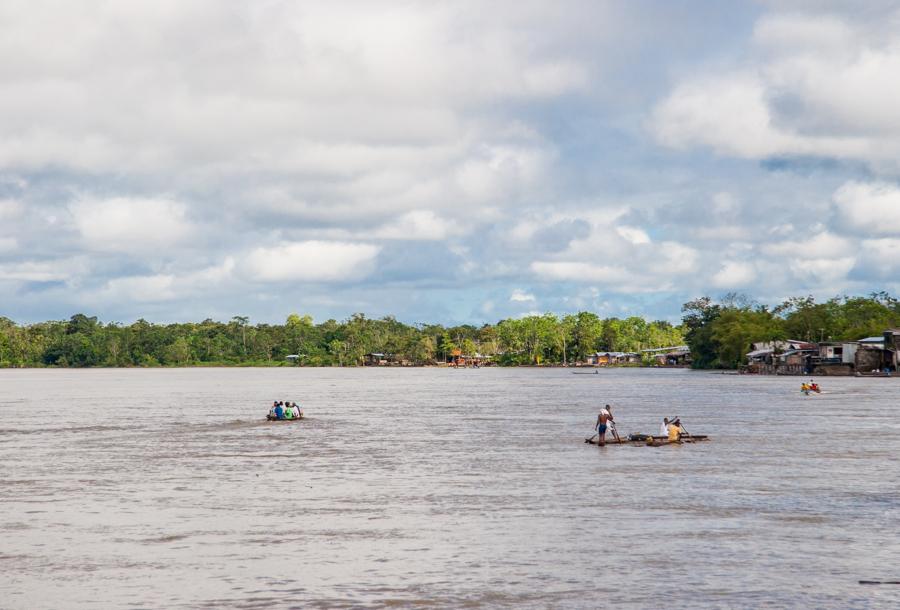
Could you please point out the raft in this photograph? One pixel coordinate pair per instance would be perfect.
(640, 440)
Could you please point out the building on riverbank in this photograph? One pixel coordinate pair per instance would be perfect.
(674, 356)
(612, 358)
(869, 355)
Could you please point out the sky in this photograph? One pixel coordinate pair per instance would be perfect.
(452, 162)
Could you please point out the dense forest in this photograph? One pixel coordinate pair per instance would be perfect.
(720, 333)
(84, 341)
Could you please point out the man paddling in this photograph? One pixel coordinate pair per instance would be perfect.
(675, 431)
(602, 419)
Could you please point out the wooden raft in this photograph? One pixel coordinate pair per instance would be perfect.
(653, 441)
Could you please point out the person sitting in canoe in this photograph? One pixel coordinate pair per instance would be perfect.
(814, 387)
(664, 427)
(603, 417)
(296, 411)
(804, 387)
(675, 431)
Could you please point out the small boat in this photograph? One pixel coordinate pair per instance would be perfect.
(273, 418)
(641, 440)
(585, 373)
(872, 374)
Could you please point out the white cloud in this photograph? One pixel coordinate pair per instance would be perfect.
(873, 208)
(579, 271)
(167, 286)
(130, 224)
(520, 296)
(879, 259)
(310, 261)
(826, 271)
(813, 84)
(887, 250)
(60, 270)
(821, 245)
(734, 274)
(634, 235)
(10, 209)
(418, 225)
(142, 289)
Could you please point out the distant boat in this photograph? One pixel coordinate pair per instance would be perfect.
(273, 418)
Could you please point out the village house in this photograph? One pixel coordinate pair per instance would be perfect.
(376, 359)
(679, 355)
(612, 358)
(458, 359)
(870, 355)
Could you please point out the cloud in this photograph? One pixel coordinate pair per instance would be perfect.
(10, 209)
(59, 270)
(168, 286)
(142, 288)
(417, 225)
(520, 296)
(310, 261)
(633, 234)
(869, 208)
(823, 271)
(821, 245)
(878, 260)
(130, 224)
(579, 272)
(812, 84)
(734, 274)
(423, 159)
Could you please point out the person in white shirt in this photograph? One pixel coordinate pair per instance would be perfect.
(664, 427)
(296, 410)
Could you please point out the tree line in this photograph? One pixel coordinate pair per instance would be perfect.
(84, 341)
(720, 333)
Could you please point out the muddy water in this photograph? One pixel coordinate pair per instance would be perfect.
(443, 488)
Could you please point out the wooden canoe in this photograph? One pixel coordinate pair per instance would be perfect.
(654, 441)
(284, 420)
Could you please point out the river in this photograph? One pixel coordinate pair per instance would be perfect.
(444, 488)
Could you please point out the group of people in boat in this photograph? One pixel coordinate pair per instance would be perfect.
(282, 409)
(670, 429)
(812, 386)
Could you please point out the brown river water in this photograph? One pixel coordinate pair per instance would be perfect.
(165, 488)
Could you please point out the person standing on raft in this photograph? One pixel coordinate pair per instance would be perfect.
(602, 419)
